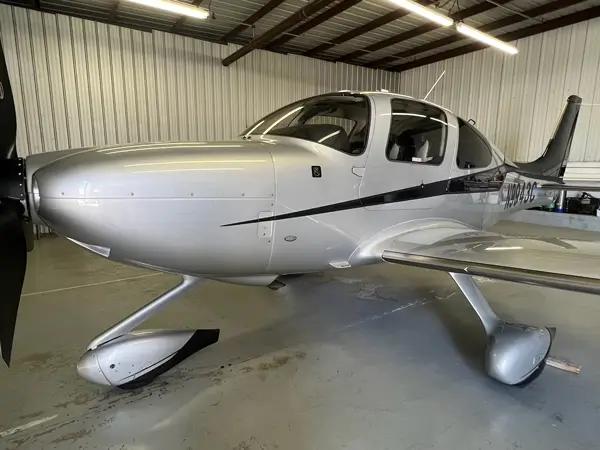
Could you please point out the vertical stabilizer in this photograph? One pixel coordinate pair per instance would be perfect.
(554, 160)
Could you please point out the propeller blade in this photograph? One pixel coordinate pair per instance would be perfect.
(8, 117)
(13, 260)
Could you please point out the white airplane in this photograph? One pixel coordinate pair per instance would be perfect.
(329, 182)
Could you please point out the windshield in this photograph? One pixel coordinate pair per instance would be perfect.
(337, 121)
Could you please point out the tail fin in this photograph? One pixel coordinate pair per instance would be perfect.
(554, 160)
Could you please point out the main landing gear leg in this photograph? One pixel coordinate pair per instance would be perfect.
(129, 360)
(515, 354)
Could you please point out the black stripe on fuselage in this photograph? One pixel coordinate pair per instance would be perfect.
(486, 181)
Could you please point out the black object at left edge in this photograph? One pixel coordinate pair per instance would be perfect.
(8, 116)
(13, 243)
(13, 259)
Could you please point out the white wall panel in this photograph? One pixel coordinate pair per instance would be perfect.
(516, 100)
(55, 80)
(79, 83)
(81, 88)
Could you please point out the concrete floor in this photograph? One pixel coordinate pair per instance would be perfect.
(382, 357)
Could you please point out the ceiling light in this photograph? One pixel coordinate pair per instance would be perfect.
(486, 38)
(425, 12)
(175, 7)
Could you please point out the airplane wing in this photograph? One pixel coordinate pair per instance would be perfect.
(569, 187)
(566, 264)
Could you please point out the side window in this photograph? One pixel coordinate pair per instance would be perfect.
(473, 152)
(417, 133)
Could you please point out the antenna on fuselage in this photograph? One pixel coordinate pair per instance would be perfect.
(434, 84)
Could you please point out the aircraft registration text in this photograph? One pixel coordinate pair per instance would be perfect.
(518, 193)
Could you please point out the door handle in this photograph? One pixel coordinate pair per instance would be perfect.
(358, 171)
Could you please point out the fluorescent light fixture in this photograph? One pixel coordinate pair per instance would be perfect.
(503, 248)
(430, 14)
(486, 38)
(182, 9)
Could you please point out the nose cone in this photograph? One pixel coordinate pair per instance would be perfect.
(89, 369)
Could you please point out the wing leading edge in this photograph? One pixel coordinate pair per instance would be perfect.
(565, 264)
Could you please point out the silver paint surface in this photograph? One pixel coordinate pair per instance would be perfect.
(130, 356)
(180, 193)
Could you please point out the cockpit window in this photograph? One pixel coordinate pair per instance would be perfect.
(473, 152)
(347, 124)
(337, 121)
(417, 133)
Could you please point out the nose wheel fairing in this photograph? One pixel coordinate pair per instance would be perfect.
(135, 359)
(129, 360)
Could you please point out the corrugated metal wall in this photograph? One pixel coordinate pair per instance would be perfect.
(516, 100)
(79, 83)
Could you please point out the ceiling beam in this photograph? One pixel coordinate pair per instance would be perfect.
(501, 23)
(263, 11)
(372, 25)
(112, 15)
(317, 20)
(409, 34)
(298, 17)
(29, 4)
(581, 16)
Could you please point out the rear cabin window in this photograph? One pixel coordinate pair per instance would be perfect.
(473, 152)
(337, 121)
(417, 133)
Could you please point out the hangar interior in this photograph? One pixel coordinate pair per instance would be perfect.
(381, 356)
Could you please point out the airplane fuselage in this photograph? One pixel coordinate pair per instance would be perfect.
(266, 204)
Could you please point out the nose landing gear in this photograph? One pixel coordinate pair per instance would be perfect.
(129, 360)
